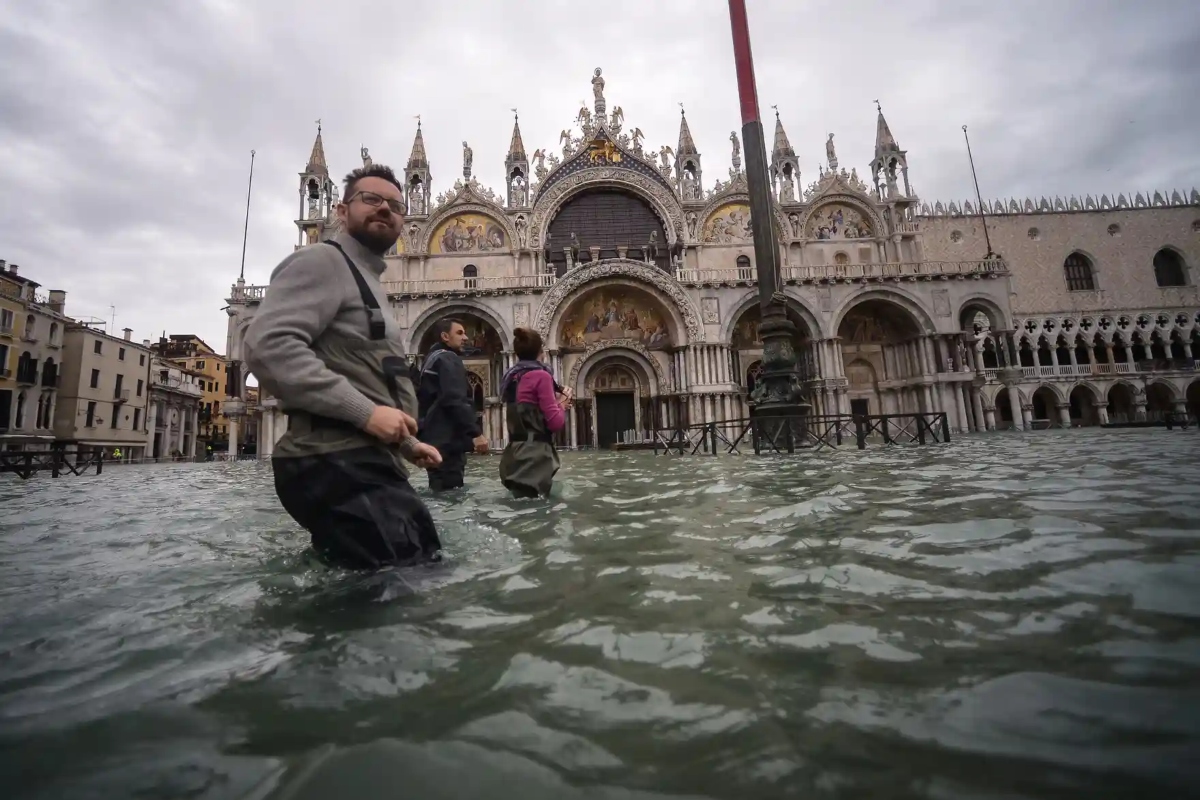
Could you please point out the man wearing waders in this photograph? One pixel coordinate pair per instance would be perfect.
(447, 418)
(530, 460)
(324, 343)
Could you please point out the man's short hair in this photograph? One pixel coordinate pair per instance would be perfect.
(444, 325)
(373, 171)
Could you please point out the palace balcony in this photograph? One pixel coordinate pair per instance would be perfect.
(1069, 371)
(850, 273)
(177, 385)
(120, 395)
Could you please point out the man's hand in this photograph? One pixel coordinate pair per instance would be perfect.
(425, 456)
(481, 444)
(390, 424)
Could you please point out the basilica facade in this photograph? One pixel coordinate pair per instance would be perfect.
(1017, 314)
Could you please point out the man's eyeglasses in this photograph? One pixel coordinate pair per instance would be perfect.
(372, 199)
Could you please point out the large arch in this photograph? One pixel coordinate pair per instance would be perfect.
(795, 304)
(602, 352)
(1084, 403)
(664, 203)
(977, 303)
(610, 309)
(449, 308)
(738, 197)
(859, 204)
(605, 223)
(895, 296)
(574, 283)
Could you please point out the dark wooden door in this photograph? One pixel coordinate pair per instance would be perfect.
(860, 408)
(614, 415)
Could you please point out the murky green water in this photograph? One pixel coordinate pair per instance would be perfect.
(1008, 616)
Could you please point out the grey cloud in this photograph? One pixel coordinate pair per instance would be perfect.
(125, 129)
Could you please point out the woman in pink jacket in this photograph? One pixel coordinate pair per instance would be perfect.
(535, 413)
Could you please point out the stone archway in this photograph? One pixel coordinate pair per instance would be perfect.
(1085, 405)
(558, 300)
(620, 386)
(881, 342)
(1193, 401)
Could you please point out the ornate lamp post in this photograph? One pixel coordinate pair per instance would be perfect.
(777, 392)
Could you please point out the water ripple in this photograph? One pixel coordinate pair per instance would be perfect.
(1008, 616)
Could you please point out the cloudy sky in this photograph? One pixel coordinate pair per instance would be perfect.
(126, 127)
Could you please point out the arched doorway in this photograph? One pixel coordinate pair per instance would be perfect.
(1193, 400)
(747, 346)
(1084, 407)
(1120, 403)
(883, 336)
(1045, 408)
(483, 357)
(605, 223)
(1160, 401)
(624, 326)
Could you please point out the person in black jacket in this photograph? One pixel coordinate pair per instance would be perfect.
(447, 418)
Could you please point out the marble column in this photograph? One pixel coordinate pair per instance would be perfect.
(195, 414)
(151, 423)
(233, 437)
(989, 418)
(983, 422)
(1014, 400)
(1064, 415)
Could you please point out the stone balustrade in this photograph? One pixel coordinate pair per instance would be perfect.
(850, 272)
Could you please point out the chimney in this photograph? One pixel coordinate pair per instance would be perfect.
(57, 301)
(3, 265)
(128, 333)
(12, 269)
(146, 343)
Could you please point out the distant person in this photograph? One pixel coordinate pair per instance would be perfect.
(447, 417)
(535, 414)
(322, 343)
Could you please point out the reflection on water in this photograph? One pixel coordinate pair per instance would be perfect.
(1011, 616)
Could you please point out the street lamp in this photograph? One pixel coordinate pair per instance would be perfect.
(778, 391)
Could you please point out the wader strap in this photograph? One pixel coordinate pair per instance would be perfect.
(375, 326)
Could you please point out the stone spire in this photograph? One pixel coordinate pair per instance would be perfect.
(318, 197)
(316, 160)
(688, 175)
(416, 177)
(516, 168)
(686, 145)
(782, 146)
(417, 158)
(884, 141)
(889, 159)
(785, 168)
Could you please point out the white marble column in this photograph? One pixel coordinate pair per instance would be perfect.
(151, 422)
(195, 415)
(233, 437)
(573, 428)
(983, 422)
(1014, 401)
(1064, 415)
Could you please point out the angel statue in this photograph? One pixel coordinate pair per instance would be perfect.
(637, 137)
(618, 116)
(539, 161)
(665, 153)
(564, 139)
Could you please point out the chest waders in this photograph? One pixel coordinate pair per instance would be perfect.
(530, 459)
(344, 486)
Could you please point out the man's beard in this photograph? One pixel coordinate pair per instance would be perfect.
(378, 242)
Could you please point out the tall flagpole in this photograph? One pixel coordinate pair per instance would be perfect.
(777, 392)
(246, 225)
(978, 197)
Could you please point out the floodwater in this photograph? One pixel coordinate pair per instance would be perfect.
(1008, 616)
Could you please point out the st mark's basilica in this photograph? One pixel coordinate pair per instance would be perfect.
(1025, 313)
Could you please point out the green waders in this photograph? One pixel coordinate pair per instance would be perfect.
(530, 459)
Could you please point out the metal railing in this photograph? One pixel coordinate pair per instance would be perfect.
(778, 435)
(992, 374)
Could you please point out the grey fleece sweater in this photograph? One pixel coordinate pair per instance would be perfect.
(312, 294)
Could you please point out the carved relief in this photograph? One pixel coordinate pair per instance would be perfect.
(664, 385)
(521, 315)
(941, 303)
(578, 278)
(710, 311)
